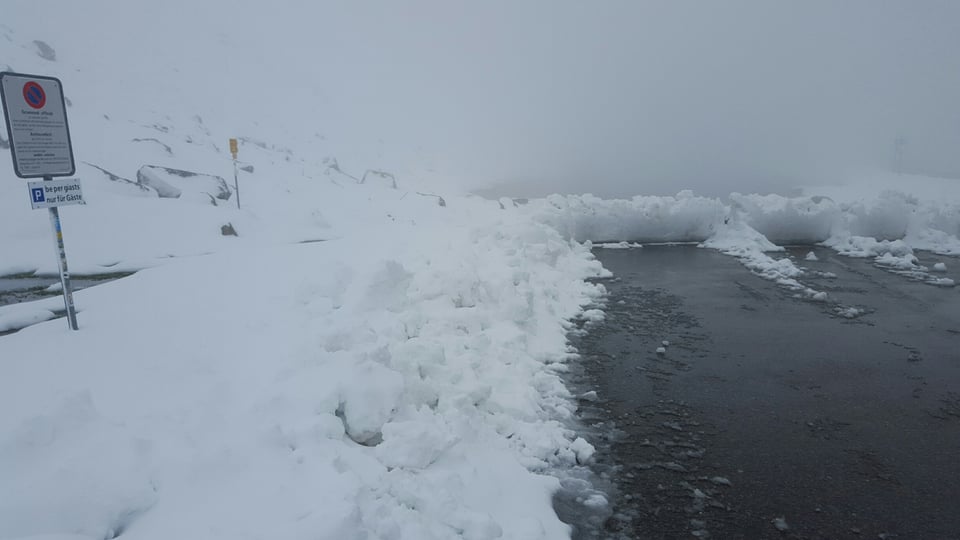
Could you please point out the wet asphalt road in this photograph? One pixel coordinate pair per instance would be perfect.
(771, 416)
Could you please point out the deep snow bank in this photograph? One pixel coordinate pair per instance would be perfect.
(402, 383)
(887, 225)
(932, 223)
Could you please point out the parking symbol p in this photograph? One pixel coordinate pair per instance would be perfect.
(38, 196)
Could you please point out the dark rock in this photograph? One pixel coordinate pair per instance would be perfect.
(440, 200)
(115, 178)
(228, 230)
(166, 147)
(382, 177)
(45, 51)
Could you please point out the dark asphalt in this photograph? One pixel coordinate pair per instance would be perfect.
(771, 416)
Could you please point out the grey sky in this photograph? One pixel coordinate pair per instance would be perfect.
(617, 97)
(624, 97)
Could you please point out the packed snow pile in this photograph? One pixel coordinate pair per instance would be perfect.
(684, 218)
(405, 389)
(932, 224)
(884, 224)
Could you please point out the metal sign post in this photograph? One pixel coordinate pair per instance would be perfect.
(36, 116)
(62, 264)
(236, 183)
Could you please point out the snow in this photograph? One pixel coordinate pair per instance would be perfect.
(375, 354)
(619, 245)
(881, 221)
(849, 312)
(589, 396)
(811, 256)
(593, 315)
(347, 387)
(721, 481)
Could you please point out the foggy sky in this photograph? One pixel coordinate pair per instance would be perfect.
(626, 97)
(614, 97)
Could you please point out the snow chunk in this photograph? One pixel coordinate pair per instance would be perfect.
(661, 350)
(940, 267)
(370, 401)
(583, 450)
(721, 481)
(414, 444)
(593, 315)
(589, 396)
(811, 256)
(849, 312)
(596, 500)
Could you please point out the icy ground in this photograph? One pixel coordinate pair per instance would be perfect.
(375, 354)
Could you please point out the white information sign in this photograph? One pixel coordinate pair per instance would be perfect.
(36, 117)
(50, 193)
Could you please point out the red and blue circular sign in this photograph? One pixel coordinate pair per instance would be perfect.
(34, 95)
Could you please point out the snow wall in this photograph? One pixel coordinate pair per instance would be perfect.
(930, 224)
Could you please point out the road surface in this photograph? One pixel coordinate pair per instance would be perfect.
(770, 416)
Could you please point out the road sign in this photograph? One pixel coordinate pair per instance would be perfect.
(233, 148)
(36, 117)
(34, 95)
(55, 193)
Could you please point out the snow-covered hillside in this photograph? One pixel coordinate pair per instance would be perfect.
(373, 354)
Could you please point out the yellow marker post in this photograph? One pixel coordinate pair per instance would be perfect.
(236, 183)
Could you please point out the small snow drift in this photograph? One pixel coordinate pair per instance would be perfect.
(179, 184)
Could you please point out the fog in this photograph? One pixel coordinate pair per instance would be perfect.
(626, 97)
(615, 97)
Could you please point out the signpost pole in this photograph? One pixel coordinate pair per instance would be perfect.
(236, 183)
(62, 263)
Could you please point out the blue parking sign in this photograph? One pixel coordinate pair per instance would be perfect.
(38, 196)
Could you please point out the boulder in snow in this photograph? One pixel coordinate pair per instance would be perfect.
(179, 184)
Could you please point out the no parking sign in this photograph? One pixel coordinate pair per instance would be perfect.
(36, 115)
